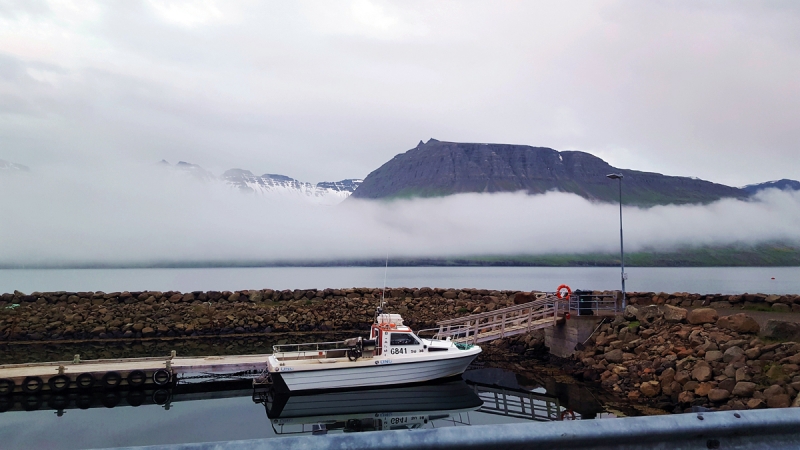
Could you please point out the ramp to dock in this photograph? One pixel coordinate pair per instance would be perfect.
(504, 322)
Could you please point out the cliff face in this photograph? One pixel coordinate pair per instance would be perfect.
(442, 168)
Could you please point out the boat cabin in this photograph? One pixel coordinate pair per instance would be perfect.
(394, 338)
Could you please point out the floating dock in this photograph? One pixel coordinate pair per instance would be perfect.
(113, 373)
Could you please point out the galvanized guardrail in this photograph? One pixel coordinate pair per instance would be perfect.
(762, 429)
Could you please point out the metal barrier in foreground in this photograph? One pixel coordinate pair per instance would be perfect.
(761, 429)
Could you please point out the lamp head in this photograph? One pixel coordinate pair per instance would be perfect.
(615, 176)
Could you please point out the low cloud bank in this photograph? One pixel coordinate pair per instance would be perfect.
(121, 216)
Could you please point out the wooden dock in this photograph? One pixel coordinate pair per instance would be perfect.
(113, 373)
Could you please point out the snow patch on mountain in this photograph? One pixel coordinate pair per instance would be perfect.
(270, 184)
(9, 167)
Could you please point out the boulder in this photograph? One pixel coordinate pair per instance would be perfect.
(702, 371)
(779, 401)
(744, 389)
(700, 316)
(650, 388)
(713, 355)
(718, 395)
(740, 323)
(703, 389)
(614, 356)
(686, 397)
(755, 403)
(630, 312)
(779, 330)
(648, 314)
(673, 313)
(731, 354)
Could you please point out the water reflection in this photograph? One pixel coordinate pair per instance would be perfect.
(231, 410)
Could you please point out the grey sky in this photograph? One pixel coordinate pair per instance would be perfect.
(330, 90)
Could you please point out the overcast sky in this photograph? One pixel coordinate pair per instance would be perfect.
(330, 90)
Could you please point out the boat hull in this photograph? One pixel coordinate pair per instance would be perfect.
(405, 372)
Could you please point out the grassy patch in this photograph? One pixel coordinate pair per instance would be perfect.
(462, 310)
(633, 324)
(758, 308)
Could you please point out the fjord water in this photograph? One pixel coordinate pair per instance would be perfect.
(186, 415)
(702, 280)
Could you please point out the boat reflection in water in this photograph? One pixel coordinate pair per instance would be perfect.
(397, 408)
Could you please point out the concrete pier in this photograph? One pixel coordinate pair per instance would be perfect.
(562, 338)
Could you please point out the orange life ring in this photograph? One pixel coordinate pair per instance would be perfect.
(568, 413)
(391, 325)
(558, 291)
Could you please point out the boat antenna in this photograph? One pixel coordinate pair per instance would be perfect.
(385, 272)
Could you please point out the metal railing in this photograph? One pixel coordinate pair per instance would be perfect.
(503, 322)
(755, 429)
(308, 350)
(593, 304)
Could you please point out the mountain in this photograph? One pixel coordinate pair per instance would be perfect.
(326, 192)
(436, 168)
(9, 167)
(784, 185)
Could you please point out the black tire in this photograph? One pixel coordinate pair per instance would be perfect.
(111, 399)
(85, 381)
(7, 386)
(161, 396)
(32, 385)
(136, 397)
(58, 383)
(84, 400)
(161, 377)
(136, 378)
(32, 402)
(6, 403)
(112, 380)
(58, 402)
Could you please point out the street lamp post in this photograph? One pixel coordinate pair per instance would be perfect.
(618, 176)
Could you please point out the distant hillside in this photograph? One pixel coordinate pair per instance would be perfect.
(442, 168)
(783, 184)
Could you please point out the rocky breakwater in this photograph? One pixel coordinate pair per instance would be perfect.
(120, 315)
(757, 302)
(676, 359)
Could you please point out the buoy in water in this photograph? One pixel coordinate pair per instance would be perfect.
(772, 278)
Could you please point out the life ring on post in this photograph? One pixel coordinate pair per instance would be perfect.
(568, 414)
(560, 289)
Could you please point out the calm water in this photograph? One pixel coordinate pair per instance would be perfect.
(185, 414)
(704, 280)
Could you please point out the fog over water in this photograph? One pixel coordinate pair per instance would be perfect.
(114, 215)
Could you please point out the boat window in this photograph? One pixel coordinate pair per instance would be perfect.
(403, 339)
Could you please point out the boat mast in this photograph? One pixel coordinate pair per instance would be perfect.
(383, 294)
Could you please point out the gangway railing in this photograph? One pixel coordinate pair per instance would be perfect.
(519, 403)
(503, 322)
(590, 304)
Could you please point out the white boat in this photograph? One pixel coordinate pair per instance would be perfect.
(393, 355)
(389, 408)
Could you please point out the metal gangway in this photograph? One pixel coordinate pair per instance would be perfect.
(505, 322)
(545, 311)
(520, 404)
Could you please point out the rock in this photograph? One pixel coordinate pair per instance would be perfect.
(673, 314)
(781, 307)
(781, 331)
(744, 389)
(796, 402)
(741, 374)
(718, 395)
(740, 323)
(97, 330)
(752, 353)
(686, 397)
(650, 388)
(732, 354)
(702, 371)
(630, 312)
(283, 319)
(779, 401)
(755, 403)
(713, 356)
(234, 297)
(148, 332)
(700, 316)
(703, 389)
(647, 314)
(614, 356)
(772, 298)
